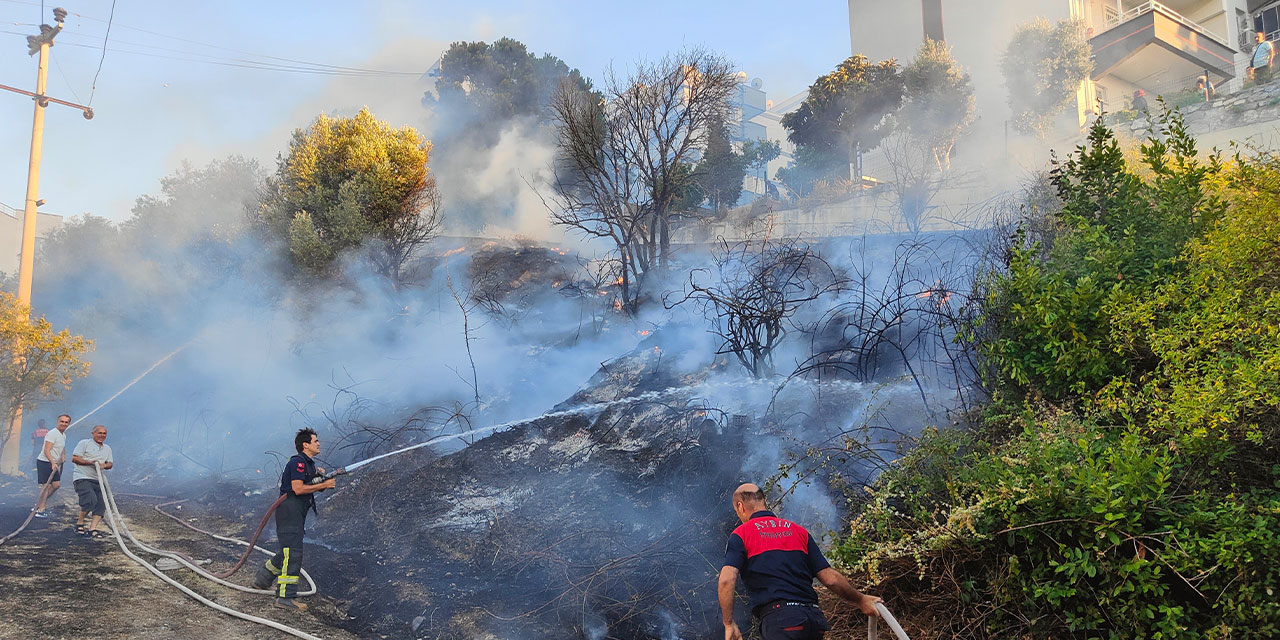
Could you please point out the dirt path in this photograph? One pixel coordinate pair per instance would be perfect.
(56, 584)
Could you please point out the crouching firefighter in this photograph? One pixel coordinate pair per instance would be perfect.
(291, 518)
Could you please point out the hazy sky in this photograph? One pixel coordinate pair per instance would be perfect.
(156, 107)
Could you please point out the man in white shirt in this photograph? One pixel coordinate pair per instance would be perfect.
(49, 463)
(89, 451)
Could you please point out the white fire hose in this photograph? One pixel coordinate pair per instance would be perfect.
(873, 628)
(117, 525)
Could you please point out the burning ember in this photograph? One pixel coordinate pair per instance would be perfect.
(940, 297)
(643, 332)
(617, 305)
(454, 252)
(618, 281)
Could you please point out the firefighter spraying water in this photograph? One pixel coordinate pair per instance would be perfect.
(299, 483)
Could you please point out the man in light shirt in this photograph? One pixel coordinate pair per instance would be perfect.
(1264, 56)
(49, 462)
(90, 451)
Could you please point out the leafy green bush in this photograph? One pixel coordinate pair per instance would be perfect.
(1125, 484)
(1069, 530)
(1049, 310)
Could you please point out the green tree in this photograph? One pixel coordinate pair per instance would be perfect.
(845, 114)
(1043, 66)
(36, 364)
(721, 170)
(757, 154)
(939, 104)
(481, 83)
(353, 182)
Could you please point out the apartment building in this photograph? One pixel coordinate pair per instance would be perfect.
(1162, 47)
(1156, 47)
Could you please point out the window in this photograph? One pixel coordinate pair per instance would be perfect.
(1268, 21)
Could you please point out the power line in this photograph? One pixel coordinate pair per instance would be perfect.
(229, 62)
(66, 80)
(110, 18)
(292, 63)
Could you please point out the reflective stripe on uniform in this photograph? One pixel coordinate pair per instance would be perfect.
(285, 579)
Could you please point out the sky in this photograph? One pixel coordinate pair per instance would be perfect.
(156, 106)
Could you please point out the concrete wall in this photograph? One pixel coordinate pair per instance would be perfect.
(1250, 117)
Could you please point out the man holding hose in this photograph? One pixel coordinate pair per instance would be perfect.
(778, 561)
(90, 452)
(291, 518)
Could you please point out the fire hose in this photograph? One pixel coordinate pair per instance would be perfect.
(43, 488)
(873, 628)
(252, 544)
(219, 578)
(117, 521)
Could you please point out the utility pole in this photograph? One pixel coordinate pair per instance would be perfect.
(40, 44)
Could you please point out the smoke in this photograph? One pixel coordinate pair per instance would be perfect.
(368, 362)
(499, 187)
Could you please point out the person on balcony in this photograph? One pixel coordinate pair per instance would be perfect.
(1205, 86)
(1263, 60)
(1139, 103)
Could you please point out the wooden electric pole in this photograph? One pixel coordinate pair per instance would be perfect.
(9, 458)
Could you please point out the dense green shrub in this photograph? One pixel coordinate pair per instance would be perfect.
(1050, 309)
(1125, 483)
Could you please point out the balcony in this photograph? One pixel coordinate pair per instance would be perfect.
(1151, 46)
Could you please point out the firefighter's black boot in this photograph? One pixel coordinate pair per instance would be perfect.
(266, 576)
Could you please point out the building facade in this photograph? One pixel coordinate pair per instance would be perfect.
(1159, 48)
(11, 235)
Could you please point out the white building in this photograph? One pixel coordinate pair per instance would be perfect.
(1158, 47)
(11, 235)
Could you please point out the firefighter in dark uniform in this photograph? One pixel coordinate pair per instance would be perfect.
(291, 518)
(778, 561)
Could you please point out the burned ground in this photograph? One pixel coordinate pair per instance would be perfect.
(586, 526)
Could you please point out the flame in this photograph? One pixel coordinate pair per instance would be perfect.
(454, 252)
(618, 281)
(555, 284)
(617, 305)
(657, 350)
(643, 332)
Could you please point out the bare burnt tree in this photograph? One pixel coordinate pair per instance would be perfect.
(916, 177)
(365, 428)
(405, 235)
(753, 291)
(467, 302)
(623, 160)
(588, 287)
(904, 322)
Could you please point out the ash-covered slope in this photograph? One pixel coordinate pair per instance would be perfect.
(607, 524)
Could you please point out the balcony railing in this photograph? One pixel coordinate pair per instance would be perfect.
(1115, 18)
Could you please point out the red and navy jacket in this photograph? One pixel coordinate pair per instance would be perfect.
(776, 558)
(300, 467)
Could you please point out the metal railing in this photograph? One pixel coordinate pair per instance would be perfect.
(1115, 19)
